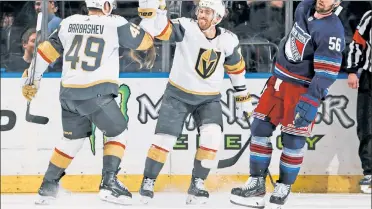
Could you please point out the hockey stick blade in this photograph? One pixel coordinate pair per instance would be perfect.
(211, 164)
(35, 118)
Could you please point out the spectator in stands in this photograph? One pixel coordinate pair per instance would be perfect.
(7, 20)
(5, 23)
(17, 63)
(260, 19)
(53, 20)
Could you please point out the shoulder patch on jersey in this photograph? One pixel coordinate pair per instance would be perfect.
(296, 43)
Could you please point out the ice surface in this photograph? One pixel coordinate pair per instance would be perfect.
(177, 200)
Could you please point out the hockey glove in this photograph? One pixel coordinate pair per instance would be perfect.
(147, 8)
(29, 91)
(243, 103)
(305, 111)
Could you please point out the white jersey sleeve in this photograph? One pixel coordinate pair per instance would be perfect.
(234, 62)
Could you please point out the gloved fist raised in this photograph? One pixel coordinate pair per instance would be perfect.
(243, 103)
(305, 111)
(147, 8)
(29, 90)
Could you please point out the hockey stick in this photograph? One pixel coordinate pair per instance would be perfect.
(224, 163)
(29, 117)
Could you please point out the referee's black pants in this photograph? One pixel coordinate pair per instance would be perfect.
(364, 121)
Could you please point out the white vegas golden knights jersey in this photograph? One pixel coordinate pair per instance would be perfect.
(90, 49)
(199, 63)
(90, 46)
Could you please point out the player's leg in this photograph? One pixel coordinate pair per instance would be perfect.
(208, 118)
(267, 115)
(364, 129)
(172, 115)
(293, 140)
(76, 129)
(111, 121)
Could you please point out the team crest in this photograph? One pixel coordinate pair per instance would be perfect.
(296, 44)
(207, 62)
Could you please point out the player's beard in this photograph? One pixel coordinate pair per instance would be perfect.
(204, 24)
(321, 9)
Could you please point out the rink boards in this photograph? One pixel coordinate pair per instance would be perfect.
(331, 162)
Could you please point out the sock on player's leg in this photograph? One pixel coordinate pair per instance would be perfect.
(260, 155)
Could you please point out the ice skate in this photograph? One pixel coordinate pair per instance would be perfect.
(49, 191)
(365, 184)
(251, 194)
(147, 190)
(114, 191)
(197, 193)
(280, 195)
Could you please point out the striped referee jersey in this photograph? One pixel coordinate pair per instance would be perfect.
(360, 49)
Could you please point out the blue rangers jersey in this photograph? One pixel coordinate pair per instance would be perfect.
(311, 53)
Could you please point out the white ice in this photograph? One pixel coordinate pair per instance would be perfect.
(177, 200)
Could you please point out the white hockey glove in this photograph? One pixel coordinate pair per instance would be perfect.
(243, 103)
(147, 8)
(29, 90)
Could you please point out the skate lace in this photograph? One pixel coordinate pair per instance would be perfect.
(199, 183)
(121, 185)
(250, 183)
(148, 184)
(281, 190)
(368, 177)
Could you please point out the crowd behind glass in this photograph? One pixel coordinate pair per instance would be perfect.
(260, 25)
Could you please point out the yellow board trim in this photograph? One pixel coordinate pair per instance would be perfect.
(180, 183)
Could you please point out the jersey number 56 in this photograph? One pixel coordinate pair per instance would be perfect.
(94, 53)
(334, 44)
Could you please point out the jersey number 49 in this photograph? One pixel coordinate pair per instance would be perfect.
(93, 49)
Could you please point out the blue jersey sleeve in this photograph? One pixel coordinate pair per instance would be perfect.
(327, 61)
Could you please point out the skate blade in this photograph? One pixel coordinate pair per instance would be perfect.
(194, 200)
(106, 195)
(145, 200)
(252, 202)
(366, 189)
(44, 200)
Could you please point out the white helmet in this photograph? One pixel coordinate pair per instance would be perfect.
(217, 6)
(100, 3)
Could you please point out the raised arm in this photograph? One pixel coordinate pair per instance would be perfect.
(155, 21)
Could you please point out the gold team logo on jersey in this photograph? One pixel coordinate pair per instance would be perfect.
(207, 62)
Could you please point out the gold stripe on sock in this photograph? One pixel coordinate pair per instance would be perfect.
(114, 148)
(158, 154)
(60, 159)
(204, 153)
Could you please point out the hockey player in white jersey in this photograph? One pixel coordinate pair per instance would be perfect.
(89, 45)
(203, 52)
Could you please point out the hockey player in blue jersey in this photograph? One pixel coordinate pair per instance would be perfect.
(307, 64)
